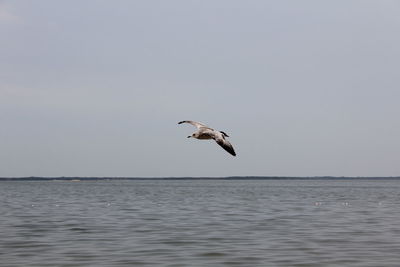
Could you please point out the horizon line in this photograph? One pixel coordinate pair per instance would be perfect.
(247, 177)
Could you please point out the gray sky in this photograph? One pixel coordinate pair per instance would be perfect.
(96, 88)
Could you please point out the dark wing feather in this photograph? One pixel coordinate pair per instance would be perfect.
(224, 134)
(226, 145)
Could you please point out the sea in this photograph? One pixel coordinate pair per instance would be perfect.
(240, 222)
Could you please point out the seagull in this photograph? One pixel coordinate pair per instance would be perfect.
(204, 132)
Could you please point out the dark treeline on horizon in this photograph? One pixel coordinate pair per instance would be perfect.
(62, 178)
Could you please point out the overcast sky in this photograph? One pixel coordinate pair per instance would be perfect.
(96, 88)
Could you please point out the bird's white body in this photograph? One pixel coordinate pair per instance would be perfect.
(205, 133)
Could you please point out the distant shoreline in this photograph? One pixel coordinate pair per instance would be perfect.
(34, 178)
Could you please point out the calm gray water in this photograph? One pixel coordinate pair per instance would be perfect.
(200, 223)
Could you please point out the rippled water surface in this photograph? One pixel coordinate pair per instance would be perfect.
(200, 223)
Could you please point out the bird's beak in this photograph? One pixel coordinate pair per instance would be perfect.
(189, 136)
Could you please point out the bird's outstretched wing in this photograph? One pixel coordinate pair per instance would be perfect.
(226, 145)
(198, 125)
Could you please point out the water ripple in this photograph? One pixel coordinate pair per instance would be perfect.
(200, 223)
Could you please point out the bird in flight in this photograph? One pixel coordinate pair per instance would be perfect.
(204, 133)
